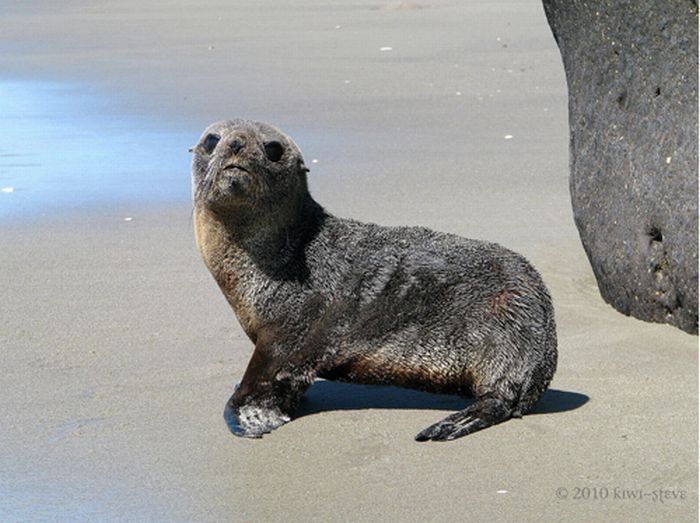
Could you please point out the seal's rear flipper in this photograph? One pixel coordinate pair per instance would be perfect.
(482, 414)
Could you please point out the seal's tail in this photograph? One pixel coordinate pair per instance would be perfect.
(484, 413)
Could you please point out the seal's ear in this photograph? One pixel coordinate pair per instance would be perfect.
(303, 169)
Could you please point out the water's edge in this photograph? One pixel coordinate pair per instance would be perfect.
(66, 146)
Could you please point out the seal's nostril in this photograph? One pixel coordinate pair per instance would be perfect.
(236, 145)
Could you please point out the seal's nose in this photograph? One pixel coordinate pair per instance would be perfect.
(236, 145)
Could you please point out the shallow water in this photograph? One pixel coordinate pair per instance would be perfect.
(64, 146)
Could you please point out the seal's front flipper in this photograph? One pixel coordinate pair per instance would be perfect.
(250, 421)
(271, 388)
(482, 414)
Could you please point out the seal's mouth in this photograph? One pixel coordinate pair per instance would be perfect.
(234, 168)
(233, 180)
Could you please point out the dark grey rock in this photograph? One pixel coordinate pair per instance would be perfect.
(632, 71)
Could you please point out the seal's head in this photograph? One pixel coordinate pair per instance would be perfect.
(241, 164)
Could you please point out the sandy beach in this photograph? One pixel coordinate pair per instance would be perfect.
(119, 351)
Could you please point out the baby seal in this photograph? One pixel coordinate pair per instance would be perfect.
(333, 298)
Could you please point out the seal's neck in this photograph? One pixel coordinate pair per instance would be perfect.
(273, 240)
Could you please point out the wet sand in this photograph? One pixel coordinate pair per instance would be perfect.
(119, 351)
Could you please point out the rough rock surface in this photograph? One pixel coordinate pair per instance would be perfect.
(632, 72)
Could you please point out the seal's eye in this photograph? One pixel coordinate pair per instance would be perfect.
(210, 142)
(274, 151)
